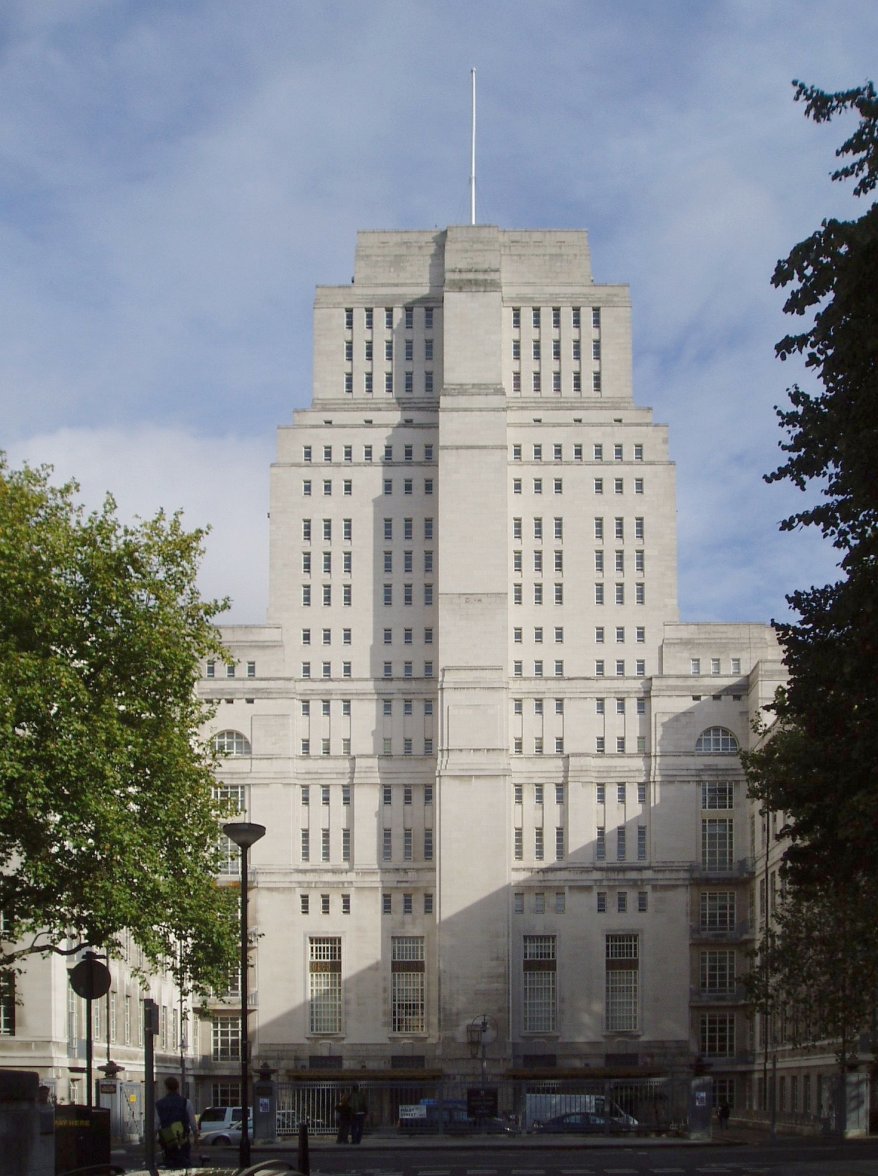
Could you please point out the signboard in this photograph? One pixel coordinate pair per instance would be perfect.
(413, 1110)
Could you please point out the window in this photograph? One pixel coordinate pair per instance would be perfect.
(642, 900)
(717, 843)
(622, 983)
(717, 794)
(387, 845)
(226, 1038)
(716, 741)
(622, 902)
(601, 901)
(599, 529)
(717, 1036)
(599, 485)
(559, 843)
(539, 987)
(231, 743)
(407, 971)
(717, 971)
(641, 843)
(600, 845)
(620, 843)
(717, 908)
(324, 984)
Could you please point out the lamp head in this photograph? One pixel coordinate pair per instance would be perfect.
(243, 833)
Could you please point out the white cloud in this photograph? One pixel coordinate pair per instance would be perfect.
(177, 179)
(217, 482)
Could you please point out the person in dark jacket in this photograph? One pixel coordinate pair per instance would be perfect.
(176, 1125)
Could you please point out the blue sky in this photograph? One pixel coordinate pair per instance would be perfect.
(178, 176)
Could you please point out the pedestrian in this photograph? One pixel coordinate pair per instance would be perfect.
(723, 1113)
(344, 1116)
(175, 1120)
(358, 1109)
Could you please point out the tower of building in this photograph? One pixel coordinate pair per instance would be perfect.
(494, 790)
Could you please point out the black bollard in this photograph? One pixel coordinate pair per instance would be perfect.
(303, 1163)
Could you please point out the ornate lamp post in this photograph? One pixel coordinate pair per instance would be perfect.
(244, 834)
(477, 1040)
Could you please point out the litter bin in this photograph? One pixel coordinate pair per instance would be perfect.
(82, 1137)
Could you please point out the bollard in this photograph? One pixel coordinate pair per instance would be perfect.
(303, 1163)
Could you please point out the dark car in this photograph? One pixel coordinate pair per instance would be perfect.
(453, 1120)
(579, 1123)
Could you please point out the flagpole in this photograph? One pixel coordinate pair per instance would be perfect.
(472, 177)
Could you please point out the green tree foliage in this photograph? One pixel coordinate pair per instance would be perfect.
(107, 821)
(819, 766)
(817, 970)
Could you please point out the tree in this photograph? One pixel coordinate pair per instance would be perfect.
(107, 817)
(819, 766)
(816, 970)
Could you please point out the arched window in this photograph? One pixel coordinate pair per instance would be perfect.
(231, 743)
(716, 741)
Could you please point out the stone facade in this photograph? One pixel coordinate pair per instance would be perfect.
(497, 773)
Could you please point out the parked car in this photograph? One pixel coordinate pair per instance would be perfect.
(218, 1126)
(451, 1120)
(582, 1123)
(215, 1135)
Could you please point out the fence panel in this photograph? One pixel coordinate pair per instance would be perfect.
(440, 1106)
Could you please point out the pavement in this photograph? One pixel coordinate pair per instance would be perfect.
(287, 1148)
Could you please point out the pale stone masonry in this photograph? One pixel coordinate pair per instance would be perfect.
(497, 773)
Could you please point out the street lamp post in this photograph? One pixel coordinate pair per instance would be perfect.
(476, 1036)
(244, 834)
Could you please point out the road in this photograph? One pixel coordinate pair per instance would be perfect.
(787, 1157)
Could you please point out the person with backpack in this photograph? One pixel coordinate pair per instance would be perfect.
(176, 1125)
(358, 1111)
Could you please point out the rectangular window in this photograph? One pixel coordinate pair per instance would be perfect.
(641, 843)
(407, 990)
(7, 1005)
(324, 984)
(717, 794)
(717, 843)
(717, 1035)
(226, 1038)
(717, 909)
(622, 983)
(539, 984)
(718, 971)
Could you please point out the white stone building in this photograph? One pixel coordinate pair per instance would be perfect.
(498, 775)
